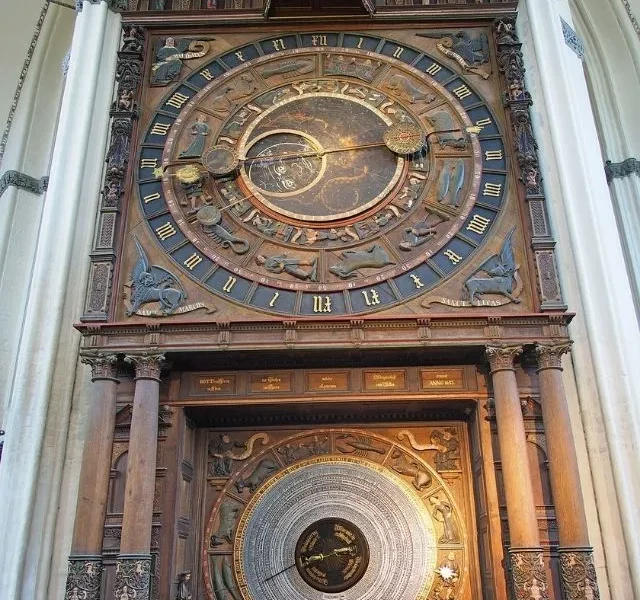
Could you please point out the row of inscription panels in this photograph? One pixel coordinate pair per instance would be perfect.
(198, 385)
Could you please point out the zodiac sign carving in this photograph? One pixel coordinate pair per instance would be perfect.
(170, 57)
(221, 450)
(259, 474)
(229, 510)
(421, 478)
(360, 446)
(469, 50)
(401, 87)
(353, 260)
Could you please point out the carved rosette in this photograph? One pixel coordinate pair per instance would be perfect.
(147, 366)
(124, 112)
(103, 366)
(84, 578)
(518, 100)
(550, 357)
(528, 575)
(501, 357)
(133, 578)
(578, 573)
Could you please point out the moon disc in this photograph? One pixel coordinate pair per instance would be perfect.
(400, 534)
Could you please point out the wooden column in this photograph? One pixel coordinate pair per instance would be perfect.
(528, 575)
(85, 562)
(133, 569)
(576, 556)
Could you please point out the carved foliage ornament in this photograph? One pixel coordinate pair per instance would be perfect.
(133, 578)
(103, 366)
(84, 579)
(147, 366)
(528, 575)
(579, 575)
(501, 357)
(550, 357)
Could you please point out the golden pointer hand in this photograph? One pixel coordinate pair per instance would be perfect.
(316, 558)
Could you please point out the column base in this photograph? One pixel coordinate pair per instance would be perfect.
(84, 578)
(133, 577)
(578, 574)
(528, 574)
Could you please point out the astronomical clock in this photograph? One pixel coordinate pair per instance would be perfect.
(323, 174)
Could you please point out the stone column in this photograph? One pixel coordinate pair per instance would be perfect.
(85, 562)
(133, 569)
(576, 556)
(528, 575)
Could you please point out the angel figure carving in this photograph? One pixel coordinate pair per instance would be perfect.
(502, 274)
(153, 284)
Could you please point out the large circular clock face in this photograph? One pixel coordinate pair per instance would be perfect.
(319, 180)
(332, 513)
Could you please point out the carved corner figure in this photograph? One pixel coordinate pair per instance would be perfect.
(469, 50)
(502, 274)
(293, 266)
(184, 586)
(229, 510)
(153, 284)
(443, 512)
(448, 577)
(170, 55)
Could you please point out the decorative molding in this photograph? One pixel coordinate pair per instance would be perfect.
(579, 581)
(550, 357)
(133, 578)
(528, 575)
(115, 5)
(147, 366)
(518, 100)
(501, 358)
(124, 112)
(23, 75)
(23, 182)
(632, 17)
(84, 578)
(572, 39)
(626, 168)
(103, 366)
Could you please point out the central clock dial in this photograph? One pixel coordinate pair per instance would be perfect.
(332, 555)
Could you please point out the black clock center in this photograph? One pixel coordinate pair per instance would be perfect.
(332, 555)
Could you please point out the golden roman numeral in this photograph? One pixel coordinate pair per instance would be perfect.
(371, 297)
(160, 129)
(434, 69)
(193, 261)
(482, 123)
(417, 281)
(240, 57)
(319, 40)
(462, 92)
(492, 189)
(152, 197)
(166, 231)
(453, 257)
(279, 44)
(208, 75)
(227, 287)
(274, 300)
(494, 155)
(322, 304)
(178, 100)
(398, 52)
(149, 163)
(360, 43)
(478, 224)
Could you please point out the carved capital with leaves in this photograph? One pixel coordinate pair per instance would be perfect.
(550, 356)
(578, 574)
(501, 358)
(147, 366)
(103, 366)
(528, 574)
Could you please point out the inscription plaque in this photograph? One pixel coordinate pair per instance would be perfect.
(380, 381)
(270, 383)
(442, 379)
(328, 382)
(212, 385)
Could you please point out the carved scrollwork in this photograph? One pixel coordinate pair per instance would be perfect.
(133, 578)
(528, 575)
(578, 572)
(550, 357)
(103, 366)
(147, 366)
(501, 357)
(83, 579)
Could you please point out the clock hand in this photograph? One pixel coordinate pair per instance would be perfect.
(279, 572)
(320, 557)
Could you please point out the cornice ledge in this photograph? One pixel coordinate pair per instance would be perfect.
(23, 182)
(115, 5)
(623, 169)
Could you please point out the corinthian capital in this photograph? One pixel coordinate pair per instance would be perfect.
(550, 356)
(103, 366)
(147, 366)
(501, 357)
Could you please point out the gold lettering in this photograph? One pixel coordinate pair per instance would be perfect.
(160, 129)
(240, 57)
(453, 257)
(434, 69)
(227, 287)
(478, 224)
(398, 52)
(178, 100)
(462, 92)
(322, 304)
(208, 75)
(274, 299)
(418, 283)
(166, 231)
(360, 43)
(482, 123)
(193, 261)
(319, 40)
(149, 163)
(492, 189)
(279, 44)
(371, 297)
(152, 197)
(494, 155)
